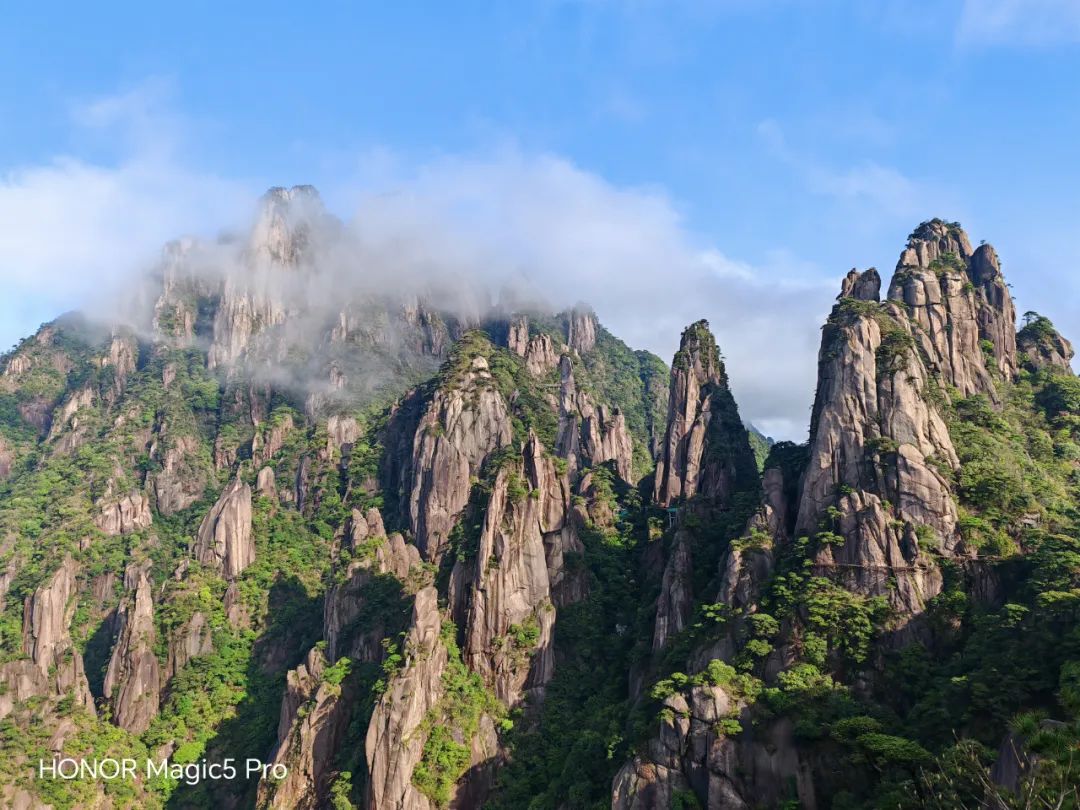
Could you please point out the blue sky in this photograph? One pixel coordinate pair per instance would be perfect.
(749, 152)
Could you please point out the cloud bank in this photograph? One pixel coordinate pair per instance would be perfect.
(77, 232)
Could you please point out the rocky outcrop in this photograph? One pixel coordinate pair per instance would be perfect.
(312, 723)
(269, 439)
(266, 483)
(862, 286)
(693, 753)
(255, 299)
(192, 639)
(465, 421)
(960, 303)
(706, 450)
(590, 434)
(224, 542)
(181, 481)
(348, 601)
(876, 442)
(66, 414)
(126, 515)
(52, 667)
(132, 681)
(121, 360)
(395, 738)
(581, 329)
(676, 600)
(1041, 346)
(502, 595)
(605, 437)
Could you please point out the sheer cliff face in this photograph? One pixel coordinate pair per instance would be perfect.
(706, 459)
(463, 424)
(877, 439)
(705, 446)
(879, 447)
(958, 299)
(876, 501)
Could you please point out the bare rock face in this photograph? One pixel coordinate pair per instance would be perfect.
(175, 311)
(132, 681)
(959, 299)
(753, 768)
(224, 541)
(509, 618)
(180, 482)
(256, 299)
(701, 412)
(588, 433)
(676, 599)
(268, 441)
(862, 286)
(66, 414)
(346, 601)
(606, 438)
(1040, 345)
(126, 515)
(266, 484)
(581, 330)
(875, 443)
(190, 641)
(464, 422)
(342, 431)
(310, 729)
(395, 743)
(122, 359)
(53, 667)
(517, 338)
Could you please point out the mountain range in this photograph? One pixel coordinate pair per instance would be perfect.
(422, 545)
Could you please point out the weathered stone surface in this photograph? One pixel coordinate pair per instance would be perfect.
(266, 483)
(254, 300)
(541, 355)
(313, 720)
(394, 744)
(590, 434)
(957, 297)
(126, 515)
(342, 431)
(862, 286)
(502, 596)
(132, 681)
(676, 599)
(224, 542)
(53, 667)
(122, 359)
(874, 434)
(517, 339)
(66, 414)
(754, 768)
(581, 330)
(181, 481)
(1040, 346)
(701, 411)
(464, 422)
(192, 639)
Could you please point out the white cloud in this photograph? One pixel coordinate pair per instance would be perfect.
(74, 230)
(1019, 22)
(570, 236)
(78, 231)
